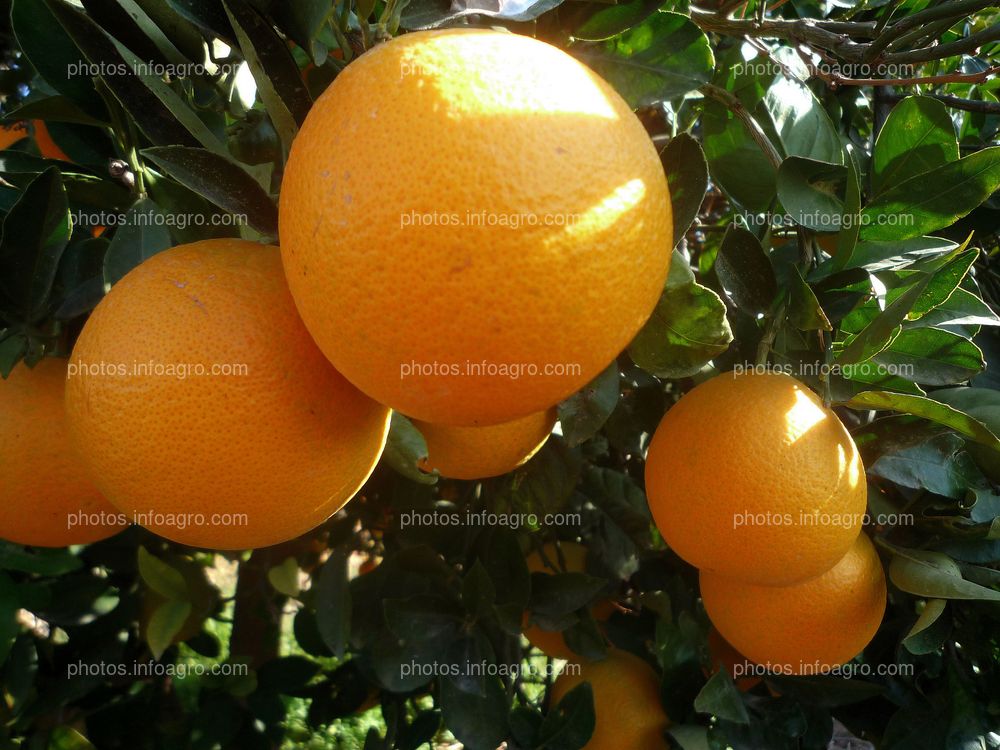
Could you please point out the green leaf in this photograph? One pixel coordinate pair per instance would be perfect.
(555, 595)
(963, 313)
(930, 409)
(139, 237)
(720, 698)
(165, 624)
(737, 164)
(584, 413)
(174, 103)
(850, 222)
(880, 332)
(429, 14)
(52, 53)
(54, 109)
(802, 125)
(687, 329)
(39, 561)
(478, 592)
(931, 356)
(745, 271)
(478, 722)
(606, 21)
(687, 177)
(9, 606)
(804, 310)
(663, 58)
(570, 724)
(932, 610)
(279, 83)
(934, 574)
(154, 119)
(221, 181)
(68, 738)
(917, 136)
(35, 233)
(810, 192)
(285, 577)
(405, 448)
(933, 200)
(938, 465)
(161, 577)
(333, 602)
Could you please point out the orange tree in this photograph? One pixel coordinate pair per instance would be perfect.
(833, 180)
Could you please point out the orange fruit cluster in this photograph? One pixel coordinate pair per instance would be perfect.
(437, 257)
(754, 481)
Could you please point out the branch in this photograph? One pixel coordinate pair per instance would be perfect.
(954, 10)
(837, 80)
(967, 105)
(743, 114)
(941, 51)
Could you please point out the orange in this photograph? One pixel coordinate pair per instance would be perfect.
(479, 452)
(628, 711)
(473, 225)
(11, 134)
(46, 146)
(751, 477)
(46, 498)
(722, 655)
(204, 410)
(806, 628)
(573, 560)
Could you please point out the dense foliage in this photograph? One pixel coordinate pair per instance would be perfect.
(834, 180)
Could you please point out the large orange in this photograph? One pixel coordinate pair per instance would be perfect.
(628, 711)
(46, 498)
(573, 559)
(473, 225)
(750, 476)
(479, 452)
(808, 627)
(200, 393)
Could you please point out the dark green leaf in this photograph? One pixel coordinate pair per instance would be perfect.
(850, 222)
(161, 577)
(745, 270)
(138, 238)
(934, 574)
(9, 606)
(165, 624)
(607, 21)
(570, 724)
(810, 192)
(479, 723)
(35, 233)
(586, 411)
(221, 181)
(663, 58)
(939, 465)
(333, 602)
(804, 310)
(720, 698)
(687, 177)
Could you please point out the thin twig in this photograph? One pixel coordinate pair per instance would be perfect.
(838, 80)
(956, 10)
(967, 105)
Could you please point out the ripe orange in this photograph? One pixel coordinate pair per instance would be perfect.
(46, 498)
(806, 628)
(473, 225)
(628, 711)
(574, 560)
(46, 146)
(751, 477)
(11, 134)
(204, 409)
(479, 452)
